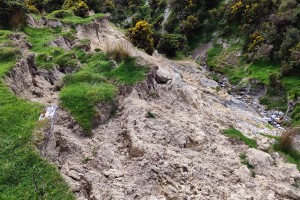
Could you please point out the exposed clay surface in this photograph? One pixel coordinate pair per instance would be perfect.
(179, 154)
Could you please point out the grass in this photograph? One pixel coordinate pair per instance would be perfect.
(279, 103)
(19, 160)
(128, 72)
(238, 71)
(92, 84)
(284, 147)
(246, 162)
(233, 133)
(81, 99)
(261, 70)
(68, 17)
(212, 53)
(45, 54)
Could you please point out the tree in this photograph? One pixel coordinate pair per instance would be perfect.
(141, 36)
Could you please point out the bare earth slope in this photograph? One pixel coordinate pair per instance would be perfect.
(179, 154)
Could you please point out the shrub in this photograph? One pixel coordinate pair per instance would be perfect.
(12, 13)
(79, 7)
(189, 25)
(169, 44)
(141, 36)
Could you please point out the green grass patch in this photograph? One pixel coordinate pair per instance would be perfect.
(279, 103)
(68, 17)
(212, 53)
(293, 156)
(92, 85)
(81, 98)
(292, 86)
(128, 72)
(19, 160)
(270, 136)
(88, 87)
(46, 56)
(233, 133)
(261, 70)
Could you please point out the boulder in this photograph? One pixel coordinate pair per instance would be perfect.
(163, 76)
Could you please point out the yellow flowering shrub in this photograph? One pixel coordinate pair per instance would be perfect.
(236, 7)
(141, 36)
(79, 7)
(256, 39)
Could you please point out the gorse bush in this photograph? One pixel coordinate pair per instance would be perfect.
(141, 36)
(79, 7)
(170, 43)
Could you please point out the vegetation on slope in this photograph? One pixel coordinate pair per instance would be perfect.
(233, 133)
(20, 163)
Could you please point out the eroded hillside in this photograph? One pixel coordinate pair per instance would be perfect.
(164, 139)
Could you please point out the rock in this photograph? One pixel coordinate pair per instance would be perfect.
(208, 83)
(273, 117)
(61, 42)
(114, 63)
(162, 76)
(267, 119)
(178, 80)
(281, 114)
(259, 159)
(113, 173)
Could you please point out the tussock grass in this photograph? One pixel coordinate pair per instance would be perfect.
(285, 142)
(284, 146)
(233, 133)
(119, 52)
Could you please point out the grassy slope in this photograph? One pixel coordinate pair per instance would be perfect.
(18, 158)
(93, 84)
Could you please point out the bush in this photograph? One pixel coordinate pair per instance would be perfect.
(189, 25)
(169, 44)
(141, 36)
(77, 6)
